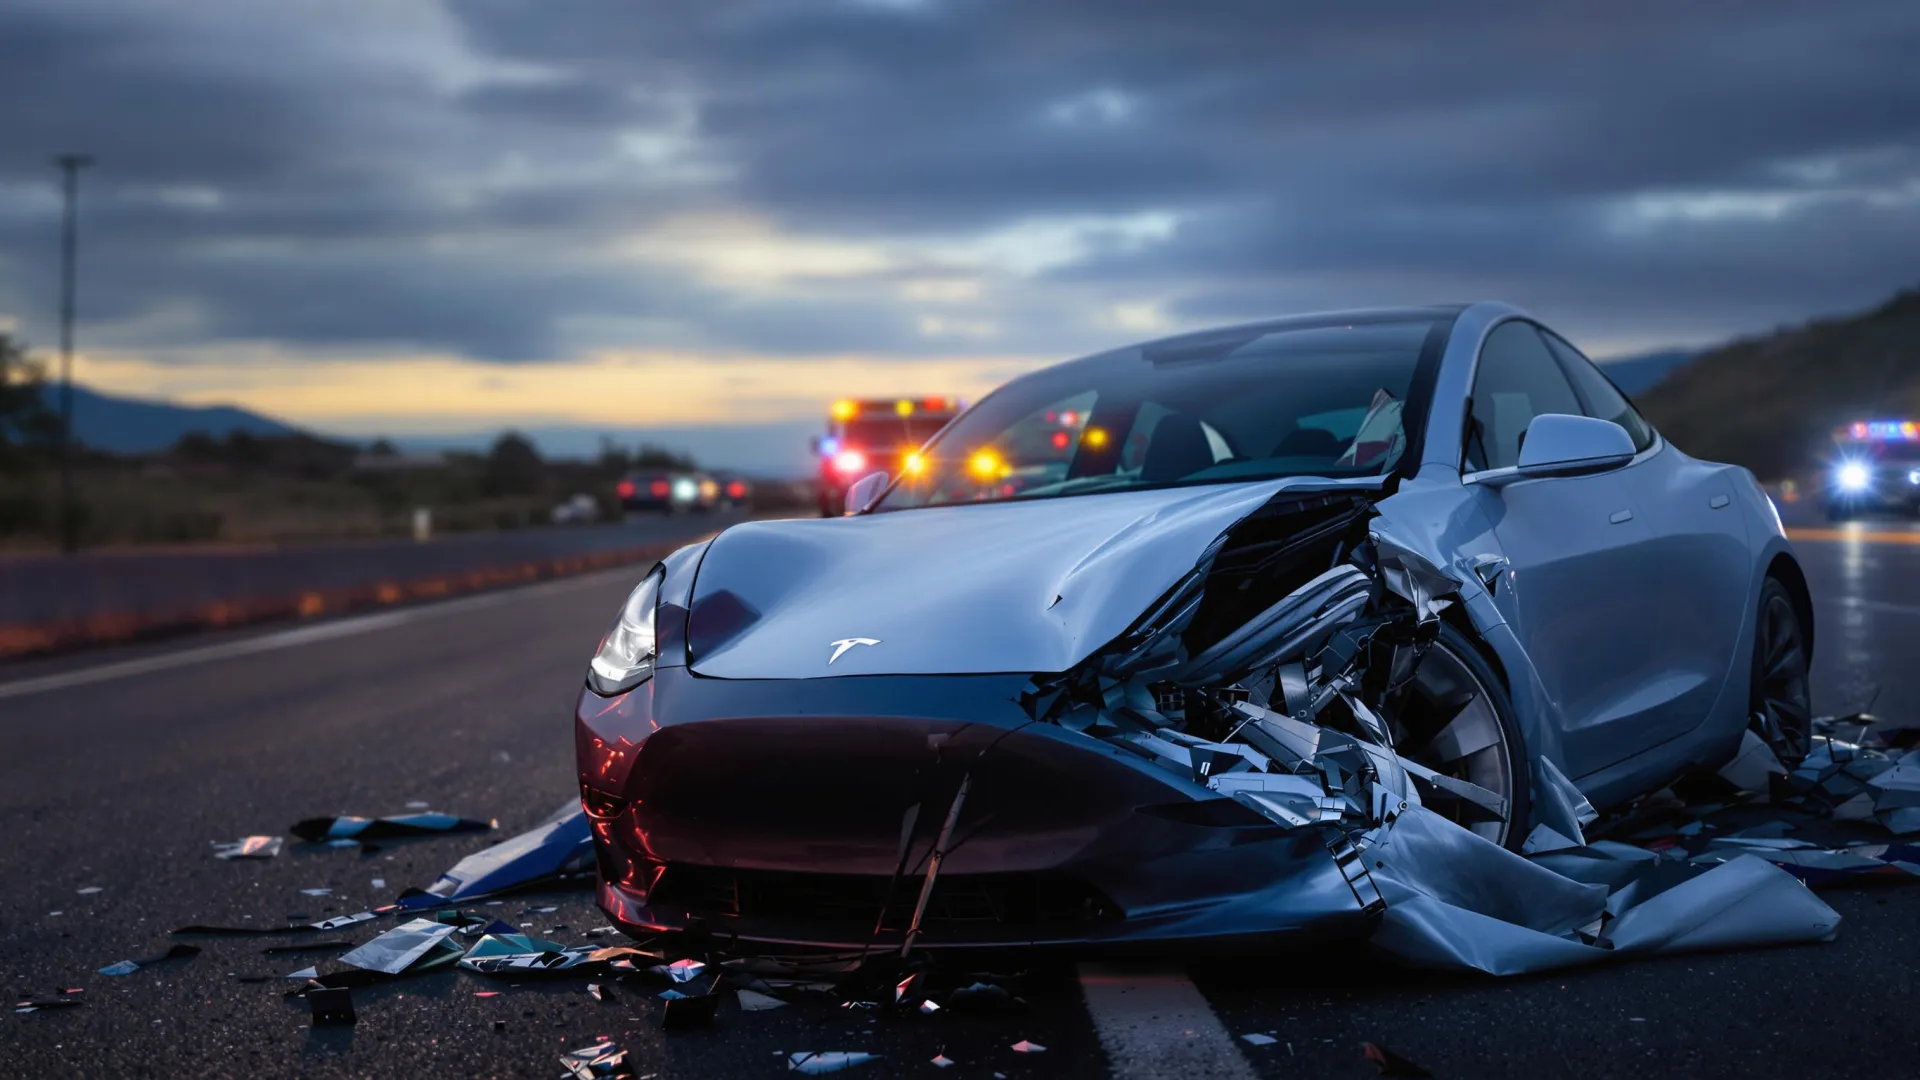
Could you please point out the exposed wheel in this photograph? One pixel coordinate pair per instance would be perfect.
(1781, 704)
(1453, 717)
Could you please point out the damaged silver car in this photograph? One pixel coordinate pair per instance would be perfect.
(1261, 633)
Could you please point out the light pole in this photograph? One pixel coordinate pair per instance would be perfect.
(70, 166)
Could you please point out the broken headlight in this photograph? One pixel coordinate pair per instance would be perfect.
(626, 654)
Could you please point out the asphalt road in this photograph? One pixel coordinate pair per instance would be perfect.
(117, 769)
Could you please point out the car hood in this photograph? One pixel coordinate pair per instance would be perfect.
(995, 587)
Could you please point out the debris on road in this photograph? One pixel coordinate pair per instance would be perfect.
(69, 999)
(821, 1062)
(504, 951)
(1390, 1063)
(1257, 1039)
(418, 945)
(128, 967)
(89, 890)
(332, 1007)
(685, 1011)
(754, 1001)
(601, 1061)
(1025, 1047)
(249, 847)
(320, 830)
(557, 848)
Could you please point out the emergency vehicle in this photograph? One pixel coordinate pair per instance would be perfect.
(874, 435)
(1876, 468)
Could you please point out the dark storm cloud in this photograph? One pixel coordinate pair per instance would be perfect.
(447, 183)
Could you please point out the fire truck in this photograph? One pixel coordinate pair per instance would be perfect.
(874, 435)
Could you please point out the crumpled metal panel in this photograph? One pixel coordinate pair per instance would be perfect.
(563, 844)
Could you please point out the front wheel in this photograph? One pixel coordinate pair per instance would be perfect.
(1453, 717)
(1781, 703)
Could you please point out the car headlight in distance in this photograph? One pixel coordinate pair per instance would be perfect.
(626, 654)
(686, 489)
(1853, 476)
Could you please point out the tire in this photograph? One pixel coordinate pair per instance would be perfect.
(1452, 684)
(1780, 699)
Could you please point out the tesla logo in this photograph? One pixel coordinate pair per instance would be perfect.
(846, 643)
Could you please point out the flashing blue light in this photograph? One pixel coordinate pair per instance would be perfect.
(829, 446)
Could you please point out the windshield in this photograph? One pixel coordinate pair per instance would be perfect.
(1210, 408)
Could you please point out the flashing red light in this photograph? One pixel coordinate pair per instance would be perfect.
(1069, 418)
(1059, 440)
(849, 461)
(736, 490)
(625, 489)
(660, 489)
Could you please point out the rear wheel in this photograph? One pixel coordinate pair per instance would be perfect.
(1453, 717)
(1781, 703)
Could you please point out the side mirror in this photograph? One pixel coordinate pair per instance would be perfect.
(868, 488)
(1560, 445)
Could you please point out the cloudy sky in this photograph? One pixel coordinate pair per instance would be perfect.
(448, 215)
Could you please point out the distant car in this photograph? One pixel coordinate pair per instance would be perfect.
(1173, 667)
(736, 491)
(1876, 469)
(579, 510)
(666, 492)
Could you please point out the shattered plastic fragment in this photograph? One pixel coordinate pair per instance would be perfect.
(1025, 1047)
(560, 846)
(128, 967)
(1257, 1039)
(690, 1011)
(821, 1062)
(681, 971)
(942, 1060)
(418, 945)
(359, 828)
(249, 847)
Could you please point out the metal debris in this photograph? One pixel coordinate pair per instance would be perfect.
(320, 830)
(754, 1001)
(601, 1061)
(69, 999)
(1025, 1047)
(690, 1011)
(942, 1060)
(331, 1007)
(1257, 1039)
(821, 1062)
(418, 945)
(128, 967)
(504, 951)
(249, 847)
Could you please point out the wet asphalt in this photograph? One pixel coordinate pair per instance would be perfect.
(122, 783)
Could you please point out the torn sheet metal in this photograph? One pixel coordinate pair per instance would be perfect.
(249, 847)
(601, 1061)
(419, 945)
(322, 830)
(558, 847)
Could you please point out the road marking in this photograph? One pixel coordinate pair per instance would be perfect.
(1859, 536)
(305, 635)
(1868, 605)
(1153, 1022)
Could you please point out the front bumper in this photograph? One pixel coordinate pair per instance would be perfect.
(775, 811)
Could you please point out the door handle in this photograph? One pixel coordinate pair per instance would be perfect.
(1718, 501)
(1621, 516)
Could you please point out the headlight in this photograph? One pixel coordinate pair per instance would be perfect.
(1853, 476)
(686, 489)
(626, 655)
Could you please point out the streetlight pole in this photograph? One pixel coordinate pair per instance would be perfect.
(70, 166)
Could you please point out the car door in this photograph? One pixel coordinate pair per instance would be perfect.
(1701, 572)
(1578, 593)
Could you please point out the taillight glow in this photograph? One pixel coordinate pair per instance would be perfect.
(625, 488)
(849, 461)
(736, 490)
(660, 488)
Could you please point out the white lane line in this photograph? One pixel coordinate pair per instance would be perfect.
(1863, 604)
(1153, 1022)
(305, 635)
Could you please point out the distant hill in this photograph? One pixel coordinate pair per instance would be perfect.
(1771, 403)
(1635, 375)
(127, 425)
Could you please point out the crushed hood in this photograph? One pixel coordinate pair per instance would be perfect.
(998, 587)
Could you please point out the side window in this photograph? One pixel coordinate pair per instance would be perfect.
(1517, 380)
(1597, 392)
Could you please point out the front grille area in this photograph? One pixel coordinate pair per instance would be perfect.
(961, 901)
